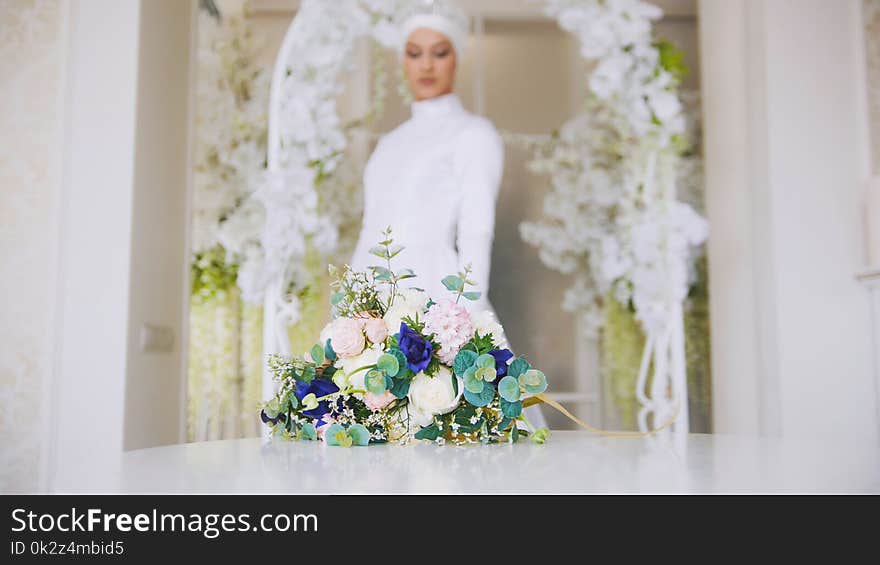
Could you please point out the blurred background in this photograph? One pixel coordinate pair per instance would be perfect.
(133, 130)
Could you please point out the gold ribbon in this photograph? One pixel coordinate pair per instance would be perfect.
(544, 399)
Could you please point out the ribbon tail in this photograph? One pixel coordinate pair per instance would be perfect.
(544, 399)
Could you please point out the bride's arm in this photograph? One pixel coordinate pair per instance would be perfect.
(479, 166)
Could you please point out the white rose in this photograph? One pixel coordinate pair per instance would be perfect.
(486, 323)
(343, 378)
(407, 303)
(430, 396)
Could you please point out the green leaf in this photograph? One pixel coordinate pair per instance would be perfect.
(395, 250)
(389, 364)
(454, 385)
(360, 436)
(328, 351)
(272, 408)
(453, 283)
(310, 402)
(292, 402)
(336, 298)
(534, 381)
(317, 354)
(511, 409)
(484, 398)
(508, 389)
(334, 433)
(379, 252)
(486, 374)
(376, 381)
(308, 374)
(400, 388)
(472, 383)
(518, 367)
(429, 433)
(308, 432)
(472, 295)
(463, 361)
(486, 361)
(381, 273)
(328, 373)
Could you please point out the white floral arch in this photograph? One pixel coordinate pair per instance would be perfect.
(638, 240)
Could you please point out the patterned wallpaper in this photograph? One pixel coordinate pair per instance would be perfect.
(30, 59)
(872, 46)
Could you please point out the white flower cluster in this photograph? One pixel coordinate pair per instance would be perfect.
(230, 146)
(612, 217)
(312, 140)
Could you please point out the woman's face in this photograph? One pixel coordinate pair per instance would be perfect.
(429, 63)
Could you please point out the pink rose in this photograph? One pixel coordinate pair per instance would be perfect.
(378, 401)
(347, 337)
(376, 330)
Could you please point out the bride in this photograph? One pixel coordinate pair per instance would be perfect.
(435, 178)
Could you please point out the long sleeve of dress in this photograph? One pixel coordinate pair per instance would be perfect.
(479, 164)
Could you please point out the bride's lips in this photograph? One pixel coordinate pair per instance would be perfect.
(427, 81)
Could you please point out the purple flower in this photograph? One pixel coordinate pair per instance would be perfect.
(416, 349)
(318, 387)
(502, 356)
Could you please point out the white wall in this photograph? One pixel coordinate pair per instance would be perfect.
(785, 151)
(159, 258)
(30, 168)
(123, 210)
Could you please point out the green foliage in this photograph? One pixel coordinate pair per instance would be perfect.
(211, 275)
(485, 361)
(359, 435)
(540, 436)
(509, 389)
(308, 432)
(534, 381)
(672, 60)
(328, 351)
(518, 367)
(429, 433)
(511, 409)
(463, 361)
(483, 398)
(317, 354)
(389, 364)
(472, 383)
(400, 388)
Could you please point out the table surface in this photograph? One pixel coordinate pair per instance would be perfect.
(569, 463)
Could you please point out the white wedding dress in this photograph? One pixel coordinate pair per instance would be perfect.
(435, 179)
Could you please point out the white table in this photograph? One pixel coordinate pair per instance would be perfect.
(571, 462)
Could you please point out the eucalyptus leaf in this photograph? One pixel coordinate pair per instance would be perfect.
(483, 398)
(336, 298)
(508, 389)
(453, 283)
(379, 252)
(309, 432)
(472, 295)
(534, 381)
(511, 409)
(518, 367)
(328, 351)
(486, 361)
(463, 361)
(317, 353)
(400, 388)
(389, 364)
(360, 435)
(430, 433)
(332, 434)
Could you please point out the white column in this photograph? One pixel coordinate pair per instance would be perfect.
(122, 244)
(784, 147)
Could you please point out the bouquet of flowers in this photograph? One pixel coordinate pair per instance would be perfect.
(394, 365)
